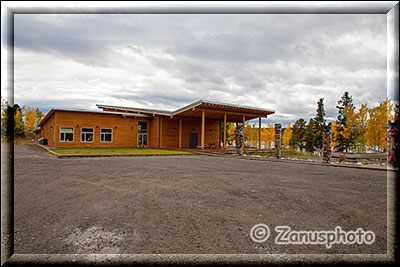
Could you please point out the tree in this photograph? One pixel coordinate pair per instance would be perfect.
(287, 136)
(29, 120)
(298, 131)
(362, 123)
(309, 136)
(334, 134)
(230, 132)
(18, 122)
(5, 112)
(343, 141)
(396, 112)
(319, 122)
(38, 116)
(377, 124)
(251, 133)
(268, 135)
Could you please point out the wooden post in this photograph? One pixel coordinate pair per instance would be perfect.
(259, 133)
(180, 133)
(244, 119)
(203, 118)
(224, 130)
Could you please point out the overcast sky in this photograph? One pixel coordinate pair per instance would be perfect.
(280, 62)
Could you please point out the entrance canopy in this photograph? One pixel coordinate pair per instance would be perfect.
(212, 110)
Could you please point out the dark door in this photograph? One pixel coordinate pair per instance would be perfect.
(193, 140)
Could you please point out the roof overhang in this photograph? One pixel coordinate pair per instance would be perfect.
(212, 109)
(123, 114)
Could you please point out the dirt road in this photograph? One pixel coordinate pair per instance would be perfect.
(194, 204)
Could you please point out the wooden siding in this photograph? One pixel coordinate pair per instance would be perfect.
(47, 130)
(170, 130)
(124, 129)
(154, 131)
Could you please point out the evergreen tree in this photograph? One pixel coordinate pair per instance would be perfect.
(309, 136)
(343, 142)
(298, 131)
(319, 122)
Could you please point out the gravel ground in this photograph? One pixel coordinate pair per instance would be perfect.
(188, 204)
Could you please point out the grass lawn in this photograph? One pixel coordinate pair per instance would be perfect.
(115, 151)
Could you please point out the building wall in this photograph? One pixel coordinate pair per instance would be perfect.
(170, 130)
(213, 129)
(47, 130)
(124, 129)
(154, 132)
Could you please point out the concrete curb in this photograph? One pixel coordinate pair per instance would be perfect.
(47, 150)
(300, 162)
(111, 155)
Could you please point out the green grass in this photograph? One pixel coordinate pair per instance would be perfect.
(116, 151)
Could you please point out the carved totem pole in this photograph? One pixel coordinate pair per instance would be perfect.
(239, 139)
(393, 143)
(327, 143)
(278, 135)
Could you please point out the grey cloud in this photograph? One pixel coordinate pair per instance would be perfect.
(284, 62)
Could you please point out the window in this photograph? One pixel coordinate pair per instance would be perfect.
(105, 135)
(142, 127)
(66, 134)
(87, 134)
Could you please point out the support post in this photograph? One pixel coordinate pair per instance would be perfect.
(180, 133)
(259, 133)
(203, 121)
(224, 130)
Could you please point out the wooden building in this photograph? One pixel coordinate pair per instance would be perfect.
(198, 125)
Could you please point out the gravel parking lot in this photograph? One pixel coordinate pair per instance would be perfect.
(188, 204)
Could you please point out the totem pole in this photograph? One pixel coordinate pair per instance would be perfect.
(393, 143)
(239, 139)
(278, 134)
(327, 143)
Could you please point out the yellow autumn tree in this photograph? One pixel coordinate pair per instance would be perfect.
(18, 123)
(268, 135)
(377, 123)
(251, 134)
(29, 120)
(362, 118)
(230, 132)
(287, 136)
